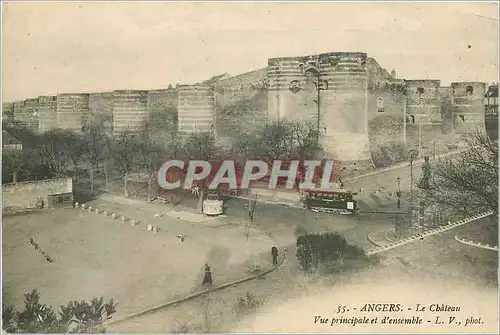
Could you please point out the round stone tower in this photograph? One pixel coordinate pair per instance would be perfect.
(292, 88)
(343, 101)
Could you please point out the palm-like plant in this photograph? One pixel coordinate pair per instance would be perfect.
(75, 317)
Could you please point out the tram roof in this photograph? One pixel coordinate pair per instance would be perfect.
(329, 190)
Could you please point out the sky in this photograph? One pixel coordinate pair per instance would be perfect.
(51, 48)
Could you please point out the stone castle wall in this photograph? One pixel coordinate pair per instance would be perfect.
(386, 125)
(196, 110)
(240, 104)
(423, 114)
(343, 92)
(47, 113)
(101, 111)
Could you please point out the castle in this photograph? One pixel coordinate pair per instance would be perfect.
(360, 108)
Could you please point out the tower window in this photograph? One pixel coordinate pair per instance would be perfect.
(420, 90)
(411, 119)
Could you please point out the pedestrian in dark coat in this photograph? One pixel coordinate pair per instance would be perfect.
(274, 253)
(207, 279)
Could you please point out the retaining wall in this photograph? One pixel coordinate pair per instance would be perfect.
(20, 196)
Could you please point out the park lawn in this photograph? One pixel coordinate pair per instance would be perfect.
(97, 256)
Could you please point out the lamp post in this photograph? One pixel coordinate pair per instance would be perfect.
(434, 150)
(398, 193)
(411, 153)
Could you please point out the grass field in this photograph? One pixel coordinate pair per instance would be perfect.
(97, 256)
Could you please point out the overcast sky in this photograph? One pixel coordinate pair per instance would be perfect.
(51, 48)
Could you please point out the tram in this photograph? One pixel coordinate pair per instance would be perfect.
(335, 201)
(212, 204)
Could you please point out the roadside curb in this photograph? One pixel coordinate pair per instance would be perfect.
(438, 230)
(193, 296)
(398, 166)
(268, 202)
(370, 239)
(477, 244)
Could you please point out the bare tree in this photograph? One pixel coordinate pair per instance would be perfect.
(469, 180)
(150, 151)
(96, 151)
(306, 139)
(126, 156)
(54, 152)
(74, 147)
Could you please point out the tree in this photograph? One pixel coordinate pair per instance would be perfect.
(54, 152)
(13, 161)
(276, 140)
(61, 149)
(21, 133)
(325, 252)
(468, 180)
(96, 151)
(75, 317)
(201, 146)
(74, 147)
(426, 175)
(150, 151)
(126, 156)
(306, 136)
(8, 319)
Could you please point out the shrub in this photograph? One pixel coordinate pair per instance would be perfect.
(326, 252)
(388, 154)
(76, 317)
(246, 305)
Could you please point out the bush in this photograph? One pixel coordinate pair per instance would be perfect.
(326, 252)
(246, 305)
(389, 153)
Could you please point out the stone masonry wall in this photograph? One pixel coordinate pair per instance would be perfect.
(240, 104)
(25, 195)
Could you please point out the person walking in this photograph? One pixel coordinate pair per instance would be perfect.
(274, 253)
(207, 279)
